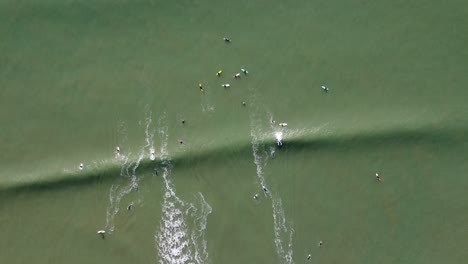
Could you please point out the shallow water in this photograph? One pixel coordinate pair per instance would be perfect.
(79, 78)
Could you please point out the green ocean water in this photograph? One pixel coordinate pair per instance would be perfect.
(79, 78)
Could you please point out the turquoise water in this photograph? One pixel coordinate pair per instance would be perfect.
(79, 78)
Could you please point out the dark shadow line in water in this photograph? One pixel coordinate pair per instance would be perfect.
(447, 137)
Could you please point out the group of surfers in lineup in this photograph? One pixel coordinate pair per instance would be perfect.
(225, 85)
(219, 72)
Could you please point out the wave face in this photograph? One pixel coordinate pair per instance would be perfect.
(310, 139)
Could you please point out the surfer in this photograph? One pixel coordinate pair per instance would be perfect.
(255, 196)
(273, 153)
(219, 73)
(244, 71)
(183, 121)
(320, 243)
(244, 103)
(129, 207)
(308, 257)
(325, 88)
(201, 87)
(155, 172)
(237, 75)
(378, 178)
(81, 166)
(117, 151)
(283, 124)
(181, 141)
(227, 39)
(226, 85)
(102, 233)
(265, 190)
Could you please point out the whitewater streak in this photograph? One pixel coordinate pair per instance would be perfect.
(282, 229)
(118, 191)
(178, 240)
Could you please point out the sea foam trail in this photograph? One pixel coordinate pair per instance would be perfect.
(200, 221)
(128, 170)
(283, 230)
(172, 240)
(179, 240)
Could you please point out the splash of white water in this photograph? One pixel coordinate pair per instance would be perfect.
(177, 241)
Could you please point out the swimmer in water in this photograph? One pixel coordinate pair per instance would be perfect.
(155, 172)
(237, 75)
(219, 73)
(273, 153)
(320, 243)
(181, 141)
(201, 87)
(227, 39)
(378, 178)
(129, 207)
(265, 190)
(244, 71)
(244, 103)
(81, 166)
(183, 121)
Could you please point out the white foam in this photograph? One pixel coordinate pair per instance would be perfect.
(175, 242)
(279, 138)
(172, 241)
(198, 234)
(116, 194)
(282, 229)
(149, 138)
(171, 238)
(152, 154)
